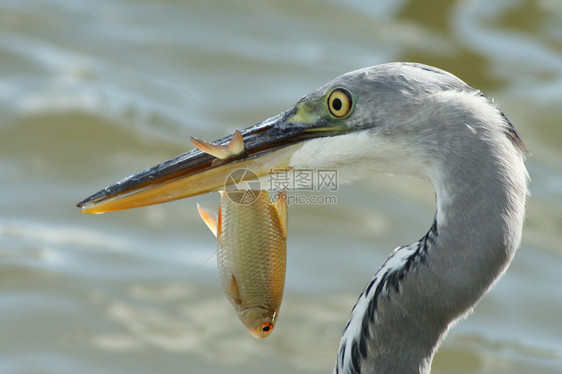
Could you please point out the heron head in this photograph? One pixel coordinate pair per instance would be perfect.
(393, 117)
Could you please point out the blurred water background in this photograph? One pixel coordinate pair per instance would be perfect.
(92, 91)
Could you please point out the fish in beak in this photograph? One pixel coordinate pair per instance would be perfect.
(251, 255)
(263, 148)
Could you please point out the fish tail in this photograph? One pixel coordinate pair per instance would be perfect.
(233, 149)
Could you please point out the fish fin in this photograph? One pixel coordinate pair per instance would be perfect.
(234, 291)
(280, 205)
(233, 149)
(209, 218)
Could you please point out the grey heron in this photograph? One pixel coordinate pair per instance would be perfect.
(402, 118)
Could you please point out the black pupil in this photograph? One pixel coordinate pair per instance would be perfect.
(337, 104)
(266, 328)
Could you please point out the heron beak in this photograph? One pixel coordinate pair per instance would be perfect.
(268, 146)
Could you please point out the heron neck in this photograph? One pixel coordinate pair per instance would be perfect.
(421, 289)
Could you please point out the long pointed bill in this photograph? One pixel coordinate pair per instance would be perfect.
(267, 146)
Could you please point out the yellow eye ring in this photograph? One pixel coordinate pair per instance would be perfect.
(339, 103)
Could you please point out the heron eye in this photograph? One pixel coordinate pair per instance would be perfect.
(339, 103)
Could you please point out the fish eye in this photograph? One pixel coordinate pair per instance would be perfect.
(339, 103)
(266, 327)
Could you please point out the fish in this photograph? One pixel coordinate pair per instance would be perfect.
(251, 233)
(251, 255)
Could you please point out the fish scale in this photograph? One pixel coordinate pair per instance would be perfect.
(251, 248)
